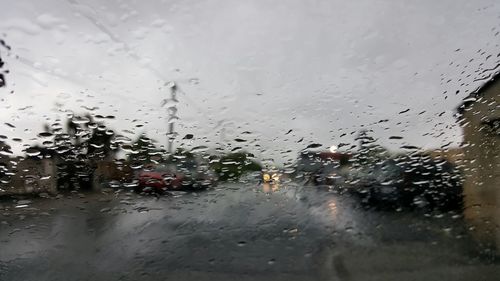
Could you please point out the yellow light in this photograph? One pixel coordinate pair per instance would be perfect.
(266, 177)
(275, 177)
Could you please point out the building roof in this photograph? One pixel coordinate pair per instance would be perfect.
(479, 92)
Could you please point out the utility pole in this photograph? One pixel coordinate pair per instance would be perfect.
(2, 76)
(171, 106)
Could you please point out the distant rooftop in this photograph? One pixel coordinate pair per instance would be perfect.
(479, 92)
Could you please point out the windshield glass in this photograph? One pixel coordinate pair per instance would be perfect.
(254, 140)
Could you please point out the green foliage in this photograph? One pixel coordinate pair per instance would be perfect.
(77, 146)
(369, 151)
(145, 150)
(232, 166)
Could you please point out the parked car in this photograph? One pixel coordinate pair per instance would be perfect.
(414, 182)
(331, 175)
(322, 168)
(435, 183)
(179, 176)
(381, 183)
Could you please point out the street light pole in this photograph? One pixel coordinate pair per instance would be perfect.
(171, 103)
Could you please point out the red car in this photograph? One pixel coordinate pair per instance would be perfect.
(159, 179)
(164, 177)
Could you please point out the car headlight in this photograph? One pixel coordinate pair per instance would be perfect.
(266, 177)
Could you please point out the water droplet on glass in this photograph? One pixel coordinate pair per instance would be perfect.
(80, 120)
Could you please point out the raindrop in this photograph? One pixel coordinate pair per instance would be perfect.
(32, 152)
(80, 120)
(97, 145)
(194, 81)
(136, 166)
(22, 206)
(6, 152)
(314, 145)
(130, 184)
(104, 210)
(410, 147)
(127, 148)
(198, 149)
(45, 135)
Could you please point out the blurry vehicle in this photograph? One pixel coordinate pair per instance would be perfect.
(179, 176)
(329, 175)
(159, 178)
(432, 183)
(380, 183)
(323, 168)
(202, 177)
(271, 175)
(415, 182)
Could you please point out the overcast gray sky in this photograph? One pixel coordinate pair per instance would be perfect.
(318, 68)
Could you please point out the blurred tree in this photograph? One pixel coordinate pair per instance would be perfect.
(5, 149)
(369, 152)
(3, 82)
(76, 148)
(231, 166)
(144, 150)
(5, 152)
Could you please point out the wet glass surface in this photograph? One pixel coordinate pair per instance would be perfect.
(258, 140)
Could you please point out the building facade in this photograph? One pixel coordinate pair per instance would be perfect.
(480, 120)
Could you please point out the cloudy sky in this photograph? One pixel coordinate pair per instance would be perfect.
(252, 69)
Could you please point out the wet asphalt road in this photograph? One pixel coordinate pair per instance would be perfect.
(234, 232)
